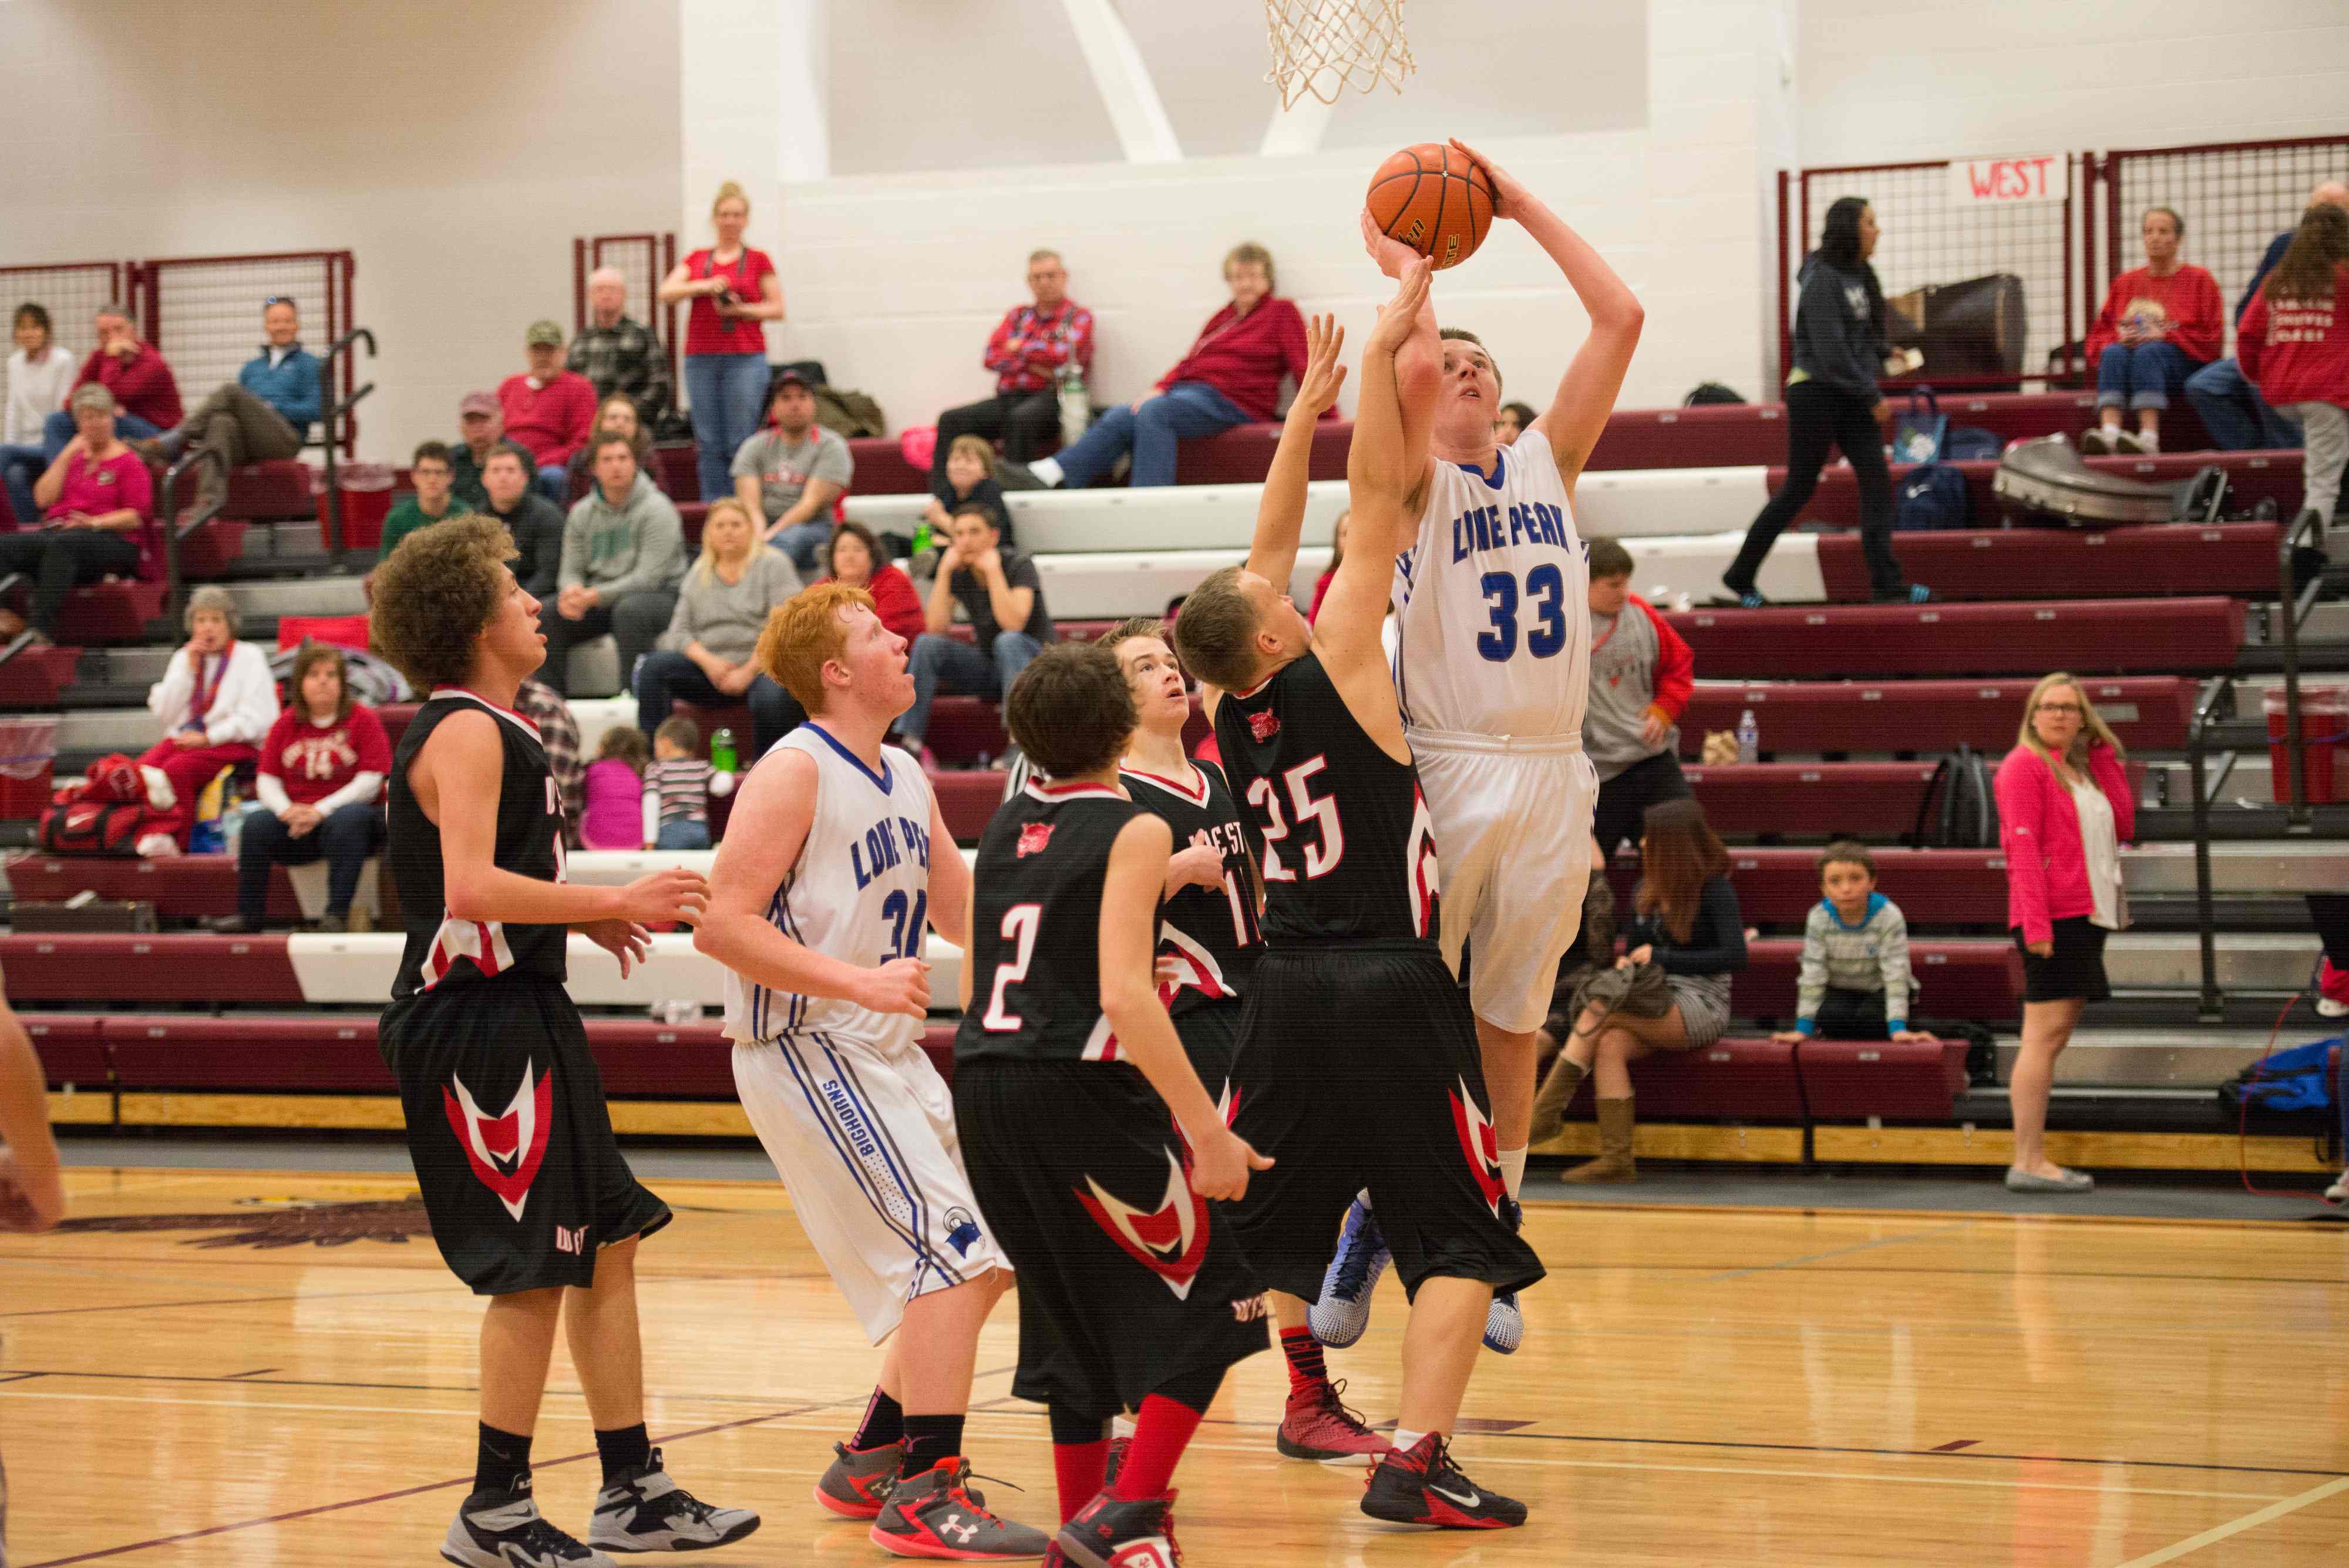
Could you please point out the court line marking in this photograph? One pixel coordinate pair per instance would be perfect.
(1934, 1233)
(2213, 1536)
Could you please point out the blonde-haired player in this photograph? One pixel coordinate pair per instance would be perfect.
(836, 862)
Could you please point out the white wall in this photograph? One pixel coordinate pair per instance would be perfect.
(456, 148)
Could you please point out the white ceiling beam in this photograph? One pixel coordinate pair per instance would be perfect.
(1124, 82)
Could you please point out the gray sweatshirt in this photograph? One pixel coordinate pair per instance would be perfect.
(624, 549)
(727, 617)
(1870, 956)
(1836, 343)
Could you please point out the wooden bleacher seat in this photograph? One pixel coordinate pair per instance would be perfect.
(1932, 886)
(1833, 641)
(2252, 477)
(1854, 1080)
(1978, 978)
(74, 966)
(282, 489)
(2148, 713)
(109, 612)
(37, 676)
(1869, 801)
(2062, 562)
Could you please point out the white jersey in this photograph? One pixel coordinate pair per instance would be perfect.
(1493, 603)
(860, 892)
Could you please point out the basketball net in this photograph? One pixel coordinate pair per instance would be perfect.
(1323, 46)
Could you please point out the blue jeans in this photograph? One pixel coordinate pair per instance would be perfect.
(1185, 411)
(59, 428)
(346, 837)
(2142, 375)
(948, 664)
(664, 677)
(800, 542)
(552, 481)
(729, 399)
(682, 833)
(2232, 411)
(20, 466)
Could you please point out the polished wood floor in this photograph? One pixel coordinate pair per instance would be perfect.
(268, 1368)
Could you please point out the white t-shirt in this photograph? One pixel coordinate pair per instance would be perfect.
(2100, 846)
(35, 390)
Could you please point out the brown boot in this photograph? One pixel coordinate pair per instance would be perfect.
(1557, 1093)
(1615, 1161)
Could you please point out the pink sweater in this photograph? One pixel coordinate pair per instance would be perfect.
(2039, 828)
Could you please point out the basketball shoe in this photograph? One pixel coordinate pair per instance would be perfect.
(505, 1529)
(1114, 1461)
(858, 1484)
(937, 1514)
(1505, 1326)
(1422, 1486)
(1109, 1530)
(1341, 1314)
(1319, 1428)
(644, 1510)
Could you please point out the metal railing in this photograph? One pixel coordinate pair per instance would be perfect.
(177, 529)
(336, 410)
(2294, 603)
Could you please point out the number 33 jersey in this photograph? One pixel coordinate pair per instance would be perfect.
(1492, 600)
(859, 892)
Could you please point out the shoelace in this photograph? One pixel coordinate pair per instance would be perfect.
(1441, 1470)
(1338, 1407)
(958, 1486)
(1354, 1262)
(540, 1538)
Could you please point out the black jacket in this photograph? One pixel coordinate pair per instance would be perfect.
(1836, 342)
(537, 530)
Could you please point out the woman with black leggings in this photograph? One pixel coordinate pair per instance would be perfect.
(1832, 401)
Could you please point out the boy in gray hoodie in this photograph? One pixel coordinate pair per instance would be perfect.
(1855, 983)
(623, 556)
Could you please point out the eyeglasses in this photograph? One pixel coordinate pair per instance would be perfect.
(277, 299)
(2059, 708)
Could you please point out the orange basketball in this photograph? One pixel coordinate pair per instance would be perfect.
(1436, 200)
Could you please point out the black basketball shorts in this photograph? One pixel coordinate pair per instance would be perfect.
(512, 1144)
(1128, 1278)
(1359, 1068)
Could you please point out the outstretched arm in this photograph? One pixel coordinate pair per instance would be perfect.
(1418, 372)
(1576, 416)
(1281, 512)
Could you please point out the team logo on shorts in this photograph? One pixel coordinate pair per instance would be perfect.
(1264, 726)
(1170, 1240)
(1034, 837)
(505, 1150)
(962, 1230)
(1480, 1143)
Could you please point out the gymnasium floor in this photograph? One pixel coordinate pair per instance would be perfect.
(270, 1367)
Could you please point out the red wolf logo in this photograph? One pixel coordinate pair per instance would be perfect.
(504, 1150)
(1170, 1240)
(1480, 1143)
(1264, 725)
(1034, 837)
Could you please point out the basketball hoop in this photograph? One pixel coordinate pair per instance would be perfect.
(1323, 46)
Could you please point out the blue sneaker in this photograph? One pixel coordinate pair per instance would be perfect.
(1341, 1314)
(1505, 1326)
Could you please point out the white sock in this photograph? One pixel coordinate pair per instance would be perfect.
(1513, 1169)
(2149, 440)
(1048, 470)
(1121, 1427)
(1404, 1441)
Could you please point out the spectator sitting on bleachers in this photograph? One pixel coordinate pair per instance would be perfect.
(1856, 981)
(680, 777)
(2063, 811)
(549, 411)
(616, 415)
(2233, 413)
(217, 701)
(1329, 573)
(706, 655)
(1641, 676)
(2161, 323)
(1004, 598)
(614, 814)
(857, 560)
(97, 520)
(146, 393)
(430, 471)
(969, 476)
(535, 523)
(1686, 922)
(1593, 949)
(1513, 420)
(617, 354)
(481, 426)
(1231, 375)
(558, 731)
(1027, 350)
(263, 416)
(735, 292)
(2294, 343)
(623, 553)
(40, 378)
(321, 782)
(790, 473)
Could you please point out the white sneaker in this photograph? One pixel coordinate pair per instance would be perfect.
(2339, 1191)
(2099, 440)
(2125, 443)
(2148, 442)
(2328, 1008)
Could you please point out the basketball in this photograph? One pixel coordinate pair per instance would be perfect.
(1436, 200)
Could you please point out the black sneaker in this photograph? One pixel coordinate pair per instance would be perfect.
(1114, 1461)
(644, 1510)
(937, 1514)
(857, 1485)
(1130, 1534)
(505, 1529)
(1422, 1486)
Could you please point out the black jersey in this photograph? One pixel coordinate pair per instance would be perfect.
(1210, 932)
(1035, 927)
(442, 951)
(1337, 824)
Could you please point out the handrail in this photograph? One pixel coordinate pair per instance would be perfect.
(175, 528)
(331, 410)
(2218, 697)
(2293, 605)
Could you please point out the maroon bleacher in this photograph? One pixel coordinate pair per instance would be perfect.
(1754, 434)
(2252, 477)
(1932, 886)
(35, 676)
(2084, 635)
(1872, 801)
(109, 612)
(1744, 1080)
(2060, 562)
(2148, 713)
(282, 489)
(181, 886)
(73, 966)
(72, 1048)
(1978, 978)
(1853, 1080)
(206, 553)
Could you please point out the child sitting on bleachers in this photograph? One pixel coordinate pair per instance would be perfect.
(614, 814)
(680, 777)
(1856, 981)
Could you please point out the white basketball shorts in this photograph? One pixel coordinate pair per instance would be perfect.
(863, 1137)
(1512, 821)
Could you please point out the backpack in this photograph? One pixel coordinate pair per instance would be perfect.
(2294, 1080)
(1970, 444)
(1959, 810)
(1917, 436)
(1933, 500)
(849, 414)
(82, 826)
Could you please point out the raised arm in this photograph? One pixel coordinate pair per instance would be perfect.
(1401, 454)
(1280, 511)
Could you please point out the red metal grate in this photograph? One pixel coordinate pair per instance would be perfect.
(204, 312)
(642, 259)
(71, 292)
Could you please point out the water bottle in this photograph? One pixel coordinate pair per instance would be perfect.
(1076, 402)
(721, 752)
(922, 540)
(1749, 737)
(652, 815)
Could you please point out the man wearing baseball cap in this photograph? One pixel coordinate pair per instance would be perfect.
(790, 472)
(480, 425)
(549, 411)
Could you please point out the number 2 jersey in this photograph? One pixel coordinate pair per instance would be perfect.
(860, 891)
(1492, 600)
(1210, 932)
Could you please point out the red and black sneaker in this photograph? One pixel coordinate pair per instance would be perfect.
(1318, 1427)
(1421, 1485)
(859, 1480)
(1114, 1461)
(1110, 1532)
(937, 1514)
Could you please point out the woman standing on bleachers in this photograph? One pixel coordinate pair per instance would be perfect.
(1832, 399)
(98, 520)
(2293, 344)
(735, 293)
(217, 701)
(2064, 812)
(321, 778)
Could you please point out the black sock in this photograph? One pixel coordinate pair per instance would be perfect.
(501, 1460)
(883, 1423)
(929, 1439)
(622, 1450)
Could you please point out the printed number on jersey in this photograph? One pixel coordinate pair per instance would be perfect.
(908, 921)
(1019, 925)
(1545, 607)
(1322, 855)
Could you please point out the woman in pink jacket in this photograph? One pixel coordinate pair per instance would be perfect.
(2064, 812)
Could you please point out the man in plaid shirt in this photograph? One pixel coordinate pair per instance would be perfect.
(617, 354)
(1026, 353)
(558, 733)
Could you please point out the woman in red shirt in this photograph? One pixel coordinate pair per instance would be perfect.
(858, 561)
(2293, 344)
(1232, 374)
(2161, 323)
(100, 519)
(735, 292)
(322, 774)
